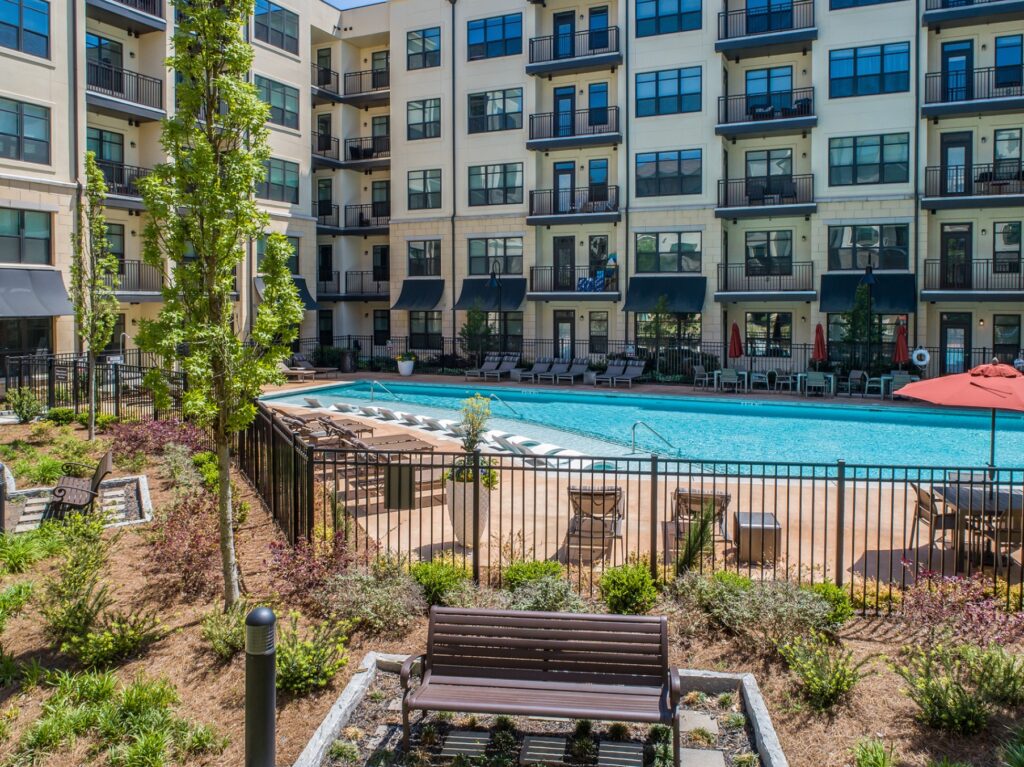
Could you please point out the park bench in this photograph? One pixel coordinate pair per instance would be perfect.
(603, 667)
(79, 493)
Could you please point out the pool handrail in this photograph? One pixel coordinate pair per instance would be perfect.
(653, 431)
(374, 384)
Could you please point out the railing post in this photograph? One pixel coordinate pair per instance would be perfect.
(51, 399)
(117, 391)
(74, 384)
(840, 520)
(476, 516)
(654, 516)
(310, 504)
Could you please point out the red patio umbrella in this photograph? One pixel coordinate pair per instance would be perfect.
(735, 342)
(995, 387)
(901, 355)
(820, 352)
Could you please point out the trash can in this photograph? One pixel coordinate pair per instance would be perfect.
(399, 486)
(347, 361)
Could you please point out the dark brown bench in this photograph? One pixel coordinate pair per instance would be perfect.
(603, 667)
(79, 493)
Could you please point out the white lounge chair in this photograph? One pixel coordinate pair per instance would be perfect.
(388, 415)
(369, 412)
(313, 402)
(344, 407)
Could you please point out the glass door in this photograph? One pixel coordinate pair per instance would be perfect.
(565, 187)
(769, 91)
(597, 106)
(381, 199)
(324, 196)
(323, 68)
(325, 264)
(598, 30)
(381, 128)
(955, 251)
(565, 110)
(955, 341)
(958, 70)
(381, 263)
(323, 132)
(565, 33)
(565, 333)
(564, 260)
(955, 151)
(380, 63)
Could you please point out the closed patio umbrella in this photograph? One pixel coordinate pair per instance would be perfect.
(735, 342)
(901, 355)
(820, 352)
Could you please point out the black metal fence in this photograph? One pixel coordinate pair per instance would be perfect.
(367, 81)
(597, 198)
(974, 84)
(152, 7)
(122, 179)
(764, 191)
(778, 105)
(589, 42)
(324, 78)
(367, 148)
(982, 179)
(976, 274)
(773, 276)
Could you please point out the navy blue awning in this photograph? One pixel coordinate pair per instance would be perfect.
(305, 296)
(892, 293)
(684, 293)
(33, 293)
(419, 295)
(478, 293)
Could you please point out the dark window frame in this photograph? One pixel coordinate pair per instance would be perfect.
(293, 260)
(426, 265)
(425, 330)
(1002, 264)
(597, 343)
(17, 33)
(501, 194)
(422, 58)
(874, 252)
(492, 47)
(480, 264)
(887, 171)
(283, 192)
(1005, 350)
(766, 344)
(860, 82)
(274, 28)
(424, 199)
(651, 261)
(422, 128)
(684, 19)
(772, 263)
(682, 101)
(669, 184)
(278, 115)
(18, 141)
(491, 123)
(19, 240)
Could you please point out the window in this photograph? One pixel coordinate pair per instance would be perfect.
(293, 260)
(24, 132)
(115, 239)
(325, 327)
(423, 119)
(507, 251)
(25, 26)
(24, 236)
(769, 253)
(114, 344)
(884, 246)
(500, 184)
(281, 183)
(598, 333)
(677, 328)
(496, 110)
(667, 92)
(768, 163)
(1006, 247)
(1009, 62)
(1007, 153)
(423, 48)
(881, 159)
(496, 36)
(425, 330)
(283, 101)
(507, 330)
(883, 328)
(659, 174)
(668, 252)
(838, 5)
(1006, 336)
(662, 17)
(25, 335)
(424, 189)
(424, 258)
(276, 25)
(769, 334)
(869, 70)
(106, 145)
(381, 326)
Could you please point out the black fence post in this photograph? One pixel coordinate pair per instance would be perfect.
(51, 384)
(840, 520)
(74, 385)
(476, 516)
(310, 504)
(117, 392)
(654, 516)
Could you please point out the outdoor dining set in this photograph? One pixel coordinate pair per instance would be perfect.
(806, 383)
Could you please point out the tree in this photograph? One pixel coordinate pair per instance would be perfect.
(93, 275)
(202, 212)
(855, 325)
(661, 321)
(476, 332)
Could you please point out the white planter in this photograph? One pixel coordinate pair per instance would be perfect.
(459, 498)
(405, 367)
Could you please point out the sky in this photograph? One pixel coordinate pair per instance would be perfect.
(352, 3)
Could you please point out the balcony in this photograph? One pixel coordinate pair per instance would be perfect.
(568, 130)
(372, 218)
(974, 280)
(958, 13)
(325, 82)
(367, 153)
(369, 88)
(764, 196)
(122, 184)
(999, 185)
(755, 115)
(985, 90)
(119, 93)
(590, 204)
(589, 51)
(138, 282)
(356, 286)
(137, 16)
(757, 32)
(577, 283)
(778, 281)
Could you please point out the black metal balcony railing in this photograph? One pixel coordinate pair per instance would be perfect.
(120, 83)
(590, 42)
(373, 214)
(574, 279)
(122, 179)
(938, 5)
(367, 81)
(1004, 274)
(328, 283)
(1005, 177)
(779, 18)
(974, 85)
(152, 7)
(766, 191)
(326, 213)
(324, 78)
(599, 198)
(326, 146)
(773, 276)
(367, 283)
(753, 107)
(367, 148)
(138, 276)
(585, 122)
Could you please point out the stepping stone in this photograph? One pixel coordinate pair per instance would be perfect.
(395, 705)
(615, 754)
(542, 750)
(469, 743)
(694, 757)
(697, 720)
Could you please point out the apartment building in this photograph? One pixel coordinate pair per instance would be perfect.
(567, 166)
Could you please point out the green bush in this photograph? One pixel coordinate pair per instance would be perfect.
(518, 573)
(307, 663)
(13, 600)
(118, 636)
(553, 594)
(25, 404)
(205, 463)
(438, 578)
(873, 753)
(385, 601)
(225, 631)
(19, 551)
(38, 469)
(939, 682)
(997, 675)
(103, 420)
(735, 581)
(839, 599)
(1012, 752)
(628, 589)
(826, 672)
(74, 599)
(62, 416)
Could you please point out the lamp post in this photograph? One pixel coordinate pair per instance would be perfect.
(495, 282)
(869, 280)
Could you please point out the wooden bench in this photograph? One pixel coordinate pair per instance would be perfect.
(79, 493)
(604, 667)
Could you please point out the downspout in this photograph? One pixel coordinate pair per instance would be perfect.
(917, 157)
(624, 266)
(75, 146)
(455, 170)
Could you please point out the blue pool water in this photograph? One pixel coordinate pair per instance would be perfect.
(600, 423)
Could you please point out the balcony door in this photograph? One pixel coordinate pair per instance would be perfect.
(598, 29)
(324, 196)
(381, 129)
(955, 252)
(564, 261)
(565, 34)
(104, 63)
(323, 68)
(381, 192)
(955, 152)
(380, 63)
(958, 70)
(769, 91)
(769, 16)
(769, 174)
(955, 342)
(324, 263)
(565, 186)
(381, 263)
(565, 110)
(565, 333)
(323, 132)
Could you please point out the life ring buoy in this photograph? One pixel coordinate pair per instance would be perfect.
(920, 357)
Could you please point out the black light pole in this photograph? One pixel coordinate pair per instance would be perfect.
(260, 688)
(495, 282)
(869, 280)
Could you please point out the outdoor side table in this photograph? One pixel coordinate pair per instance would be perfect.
(758, 537)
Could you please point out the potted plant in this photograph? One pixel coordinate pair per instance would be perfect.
(459, 480)
(406, 362)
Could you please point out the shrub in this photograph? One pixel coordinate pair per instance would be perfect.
(300, 571)
(383, 601)
(1012, 752)
(732, 581)
(344, 752)
(826, 672)
(698, 542)
(439, 578)
(224, 631)
(25, 404)
(549, 594)
(74, 599)
(307, 664)
(103, 420)
(518, 573)
(962, 608)
(998, 675)
(150, 437)
(40, 433)
(38, 469)
(208, 468)
(873, 753)
(939, 682)
(186, 537)
(628, 589)
(838, 599)
(118, 637)
(177, 463)
(19, 551)
(61, 416)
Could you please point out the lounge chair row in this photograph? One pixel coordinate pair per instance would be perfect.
(556, 371)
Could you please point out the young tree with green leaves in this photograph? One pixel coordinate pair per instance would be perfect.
(93, 275)
(202, 214)
(661, 317)
(476, 333)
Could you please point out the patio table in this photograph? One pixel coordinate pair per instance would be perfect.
(977, 504)
(744, 379)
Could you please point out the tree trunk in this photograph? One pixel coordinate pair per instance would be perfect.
(92, 394)
(229, 565)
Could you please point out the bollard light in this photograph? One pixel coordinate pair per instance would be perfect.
(260, 688)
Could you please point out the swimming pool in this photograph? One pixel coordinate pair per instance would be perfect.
(711, 429)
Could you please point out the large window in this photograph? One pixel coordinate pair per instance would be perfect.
(1006, 247)
(24, 132)
(283, 101)
(496, 110)
(507, 251)
(423, 48)
(24, 236)
(883, 246)
(424, 258)
(293, 259)
(25, 26)
(661, 174)
(424, 189)
(25, 336)
(1007, 153)
(667, 92)
(496, 36)
(674, 329)
(884, 328)
(769, 334)
(507, 330)
(877, 159)
(1006, 336)
(425, 330)
(869, 70)
(668, 252)
(662, 17)
(423, 119)
(500, 184)
(838, 5)
(115, 239)
(1009, 62)
(281, 183)
(106, 145)
(769, 253)
(598, 333)
(276, 26)
(381, 326)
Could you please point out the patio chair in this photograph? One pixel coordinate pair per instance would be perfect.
(634, 369)
(930, 512)
(785, 380)
(1007, 534)
(491, 362)
(596, 523)
(815, 381)
(369, 411)
(761, 378)
(899, 380)
(356, 427)
(436, 424)
(874, 386)
(540, 365)
(729, 377)
(558, 368)
(576, 370)
(852, 383)
(690, 504)
(295, 374)
(615, 370)
(78, 493)
(701, 377)
(507, 365)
